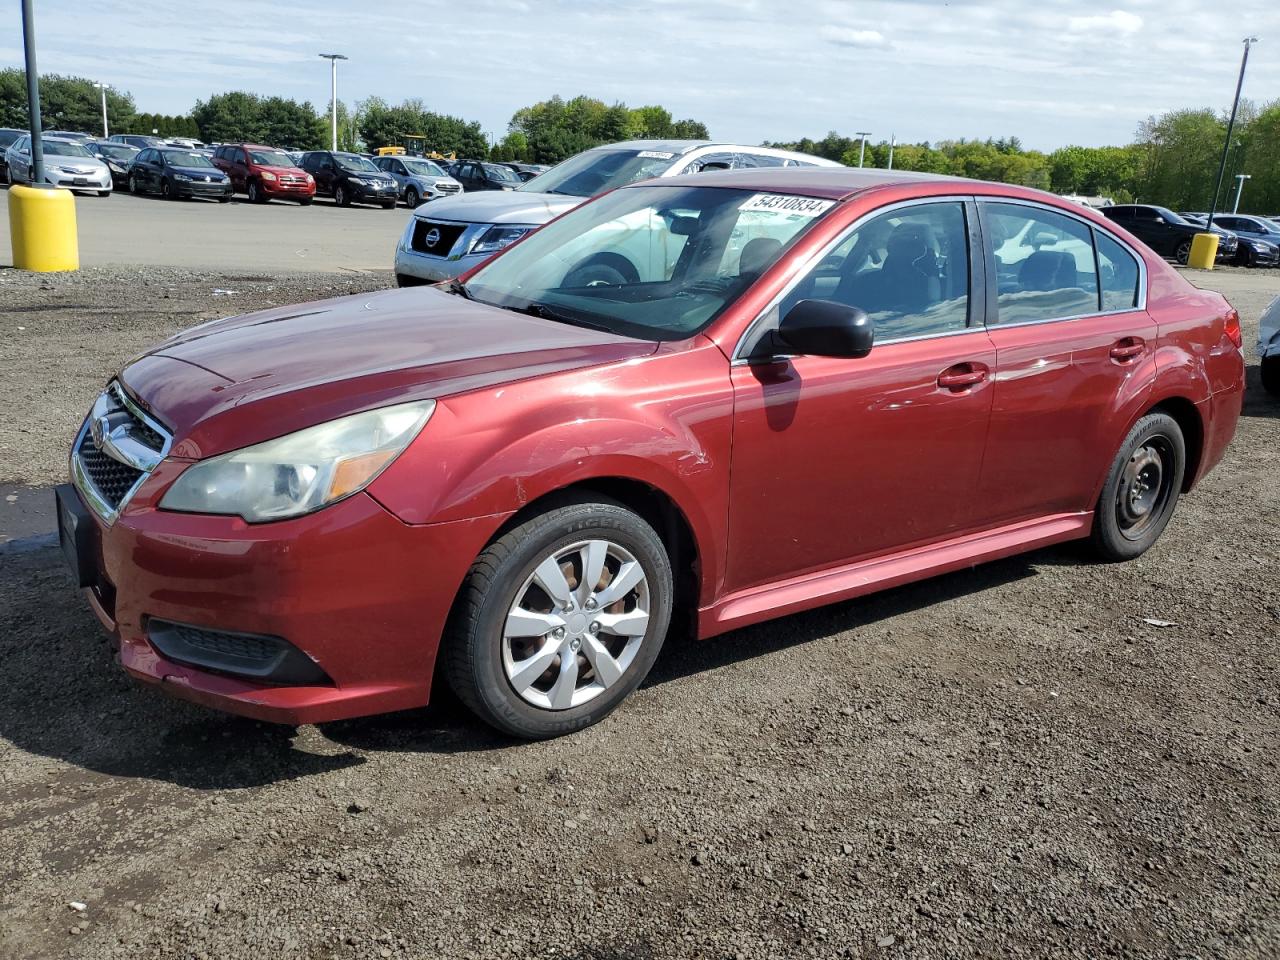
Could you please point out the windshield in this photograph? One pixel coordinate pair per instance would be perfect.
(8, 136)
(60, 148)
(350, 161)
(657, 263)
(184, 158)
(117, 151)
(270, 158)
(423, 168)
(597, 171)
(499, 172)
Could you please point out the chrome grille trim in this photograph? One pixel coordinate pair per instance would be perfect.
(120, 430)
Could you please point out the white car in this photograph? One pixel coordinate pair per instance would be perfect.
(453, 234)
(66, 164)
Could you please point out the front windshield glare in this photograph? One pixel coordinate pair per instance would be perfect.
(270, 158)
(184, 159)
(63, 149)
(656, 263)
(349, 161)
(597, 171)
(423, 168)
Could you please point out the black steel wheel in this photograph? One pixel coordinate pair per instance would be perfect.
(1142, 488)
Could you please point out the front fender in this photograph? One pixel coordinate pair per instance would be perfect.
(663, 420)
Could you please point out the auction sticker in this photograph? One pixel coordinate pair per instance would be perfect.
(781, 203)
(655, 155)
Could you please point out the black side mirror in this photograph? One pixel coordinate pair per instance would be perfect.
(823, 328)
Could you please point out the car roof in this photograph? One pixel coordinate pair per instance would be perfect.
(831, 183)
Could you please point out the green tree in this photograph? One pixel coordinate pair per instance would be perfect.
(66, 103)
(1180, 153)
(556, 128)
(229, 117)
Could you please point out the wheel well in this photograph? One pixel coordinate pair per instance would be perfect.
(615, 260)
(659, 511)
(1188, 418)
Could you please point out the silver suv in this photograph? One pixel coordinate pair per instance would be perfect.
(452, 235)
(418, 179)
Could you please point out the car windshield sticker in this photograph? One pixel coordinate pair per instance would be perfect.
(803, 206)
(655, 155)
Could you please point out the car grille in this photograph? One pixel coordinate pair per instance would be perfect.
(435, 238)
(116, 448)
(448, 188)
(291, 181)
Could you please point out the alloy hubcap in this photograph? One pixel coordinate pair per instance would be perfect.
(1144, 487)
(576, 625)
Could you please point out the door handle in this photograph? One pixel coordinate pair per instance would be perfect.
(962, 376)
(1128, 348)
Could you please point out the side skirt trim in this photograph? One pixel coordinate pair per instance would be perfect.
(880, 573)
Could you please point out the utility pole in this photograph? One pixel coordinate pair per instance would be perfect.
(893, 142)
(862, 150)
(103, 87)
(333, 59)
(1226, 146)
(1240, 179)
(33, 92)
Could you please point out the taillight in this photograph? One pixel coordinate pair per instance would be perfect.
(1232, 329)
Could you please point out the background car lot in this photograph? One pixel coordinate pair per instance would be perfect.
(1030, 768)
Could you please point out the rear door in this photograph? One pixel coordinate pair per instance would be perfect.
(1074, 348)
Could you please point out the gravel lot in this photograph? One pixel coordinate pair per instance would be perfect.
(1007, 762)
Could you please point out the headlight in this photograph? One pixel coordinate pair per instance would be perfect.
(303, 471)
(310, 178)
(268, 176)
(497, 237)
(181, 176)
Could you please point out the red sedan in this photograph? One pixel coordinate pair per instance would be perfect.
(784, 388)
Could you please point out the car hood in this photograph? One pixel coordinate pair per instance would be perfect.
(81, 163)
(235, 382)
(283, 171)
(499, 206)
(201, 172)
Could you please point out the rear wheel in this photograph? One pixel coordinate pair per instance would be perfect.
(560, 619)
(1271, 375)
(1184, 252)
(1142, 488)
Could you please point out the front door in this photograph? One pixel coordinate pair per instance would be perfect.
(836, 460)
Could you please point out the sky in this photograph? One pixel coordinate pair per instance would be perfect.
(1050, 72)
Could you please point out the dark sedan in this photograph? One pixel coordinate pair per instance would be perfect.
(1166, 232)
(176, 174)
(117, 156)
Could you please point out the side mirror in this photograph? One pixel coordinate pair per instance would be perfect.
(823, 328)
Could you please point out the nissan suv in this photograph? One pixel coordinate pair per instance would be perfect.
(454, 234)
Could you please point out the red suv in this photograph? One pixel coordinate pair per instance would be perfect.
(264, 173)
(798, 386)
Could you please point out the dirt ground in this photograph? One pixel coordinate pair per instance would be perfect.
(1006, 762)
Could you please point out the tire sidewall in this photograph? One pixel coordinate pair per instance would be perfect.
(1113, 544)
(505, 708)
(411, 198)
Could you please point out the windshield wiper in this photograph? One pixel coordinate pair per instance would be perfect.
(544, 312)
(458, 289)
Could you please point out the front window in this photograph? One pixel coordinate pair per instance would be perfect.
(8, 136)
(355, 163)
(657, 263)
(270, 158)
(597, 171)
(497, 172)
(60, 148)
(184, 158)
(423, 168)
(117, 151)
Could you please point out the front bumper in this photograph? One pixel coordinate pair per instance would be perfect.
(288, 191)
(362, 594)
(453, 261)
(75, 182)
(193, 188)
(362, 193)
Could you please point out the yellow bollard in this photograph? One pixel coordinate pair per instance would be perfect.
(42, 226)
(1204, 248)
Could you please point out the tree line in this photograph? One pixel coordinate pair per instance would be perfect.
(1173, 160)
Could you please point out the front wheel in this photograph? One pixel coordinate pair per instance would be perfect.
(167, 191)
(133, 184)
(1142, 488)
(255, 192)
(560, 619)
(104, 193)
(305, 202)
(1271, 375)
(341, 197)
(411, 198)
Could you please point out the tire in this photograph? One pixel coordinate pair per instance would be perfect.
(255, 192)
(167, 191)
(224, 199)
(391, 205)
(483, 665)
(104, 193)
(133, 185)
(404, 280)
(1128, 519)
(1183, 253)
(605, 269)
(341, 197)
(305, 202)
(1271, 375)
(411, 198)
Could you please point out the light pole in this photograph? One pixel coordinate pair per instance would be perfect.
(333, 59)
(103, 87)
(1226, 146)
(893, 142)
(33, 93)
(862, 150)
(1240, 179)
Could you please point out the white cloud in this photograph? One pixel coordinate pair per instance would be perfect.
(851, 37)
(1117, 21)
